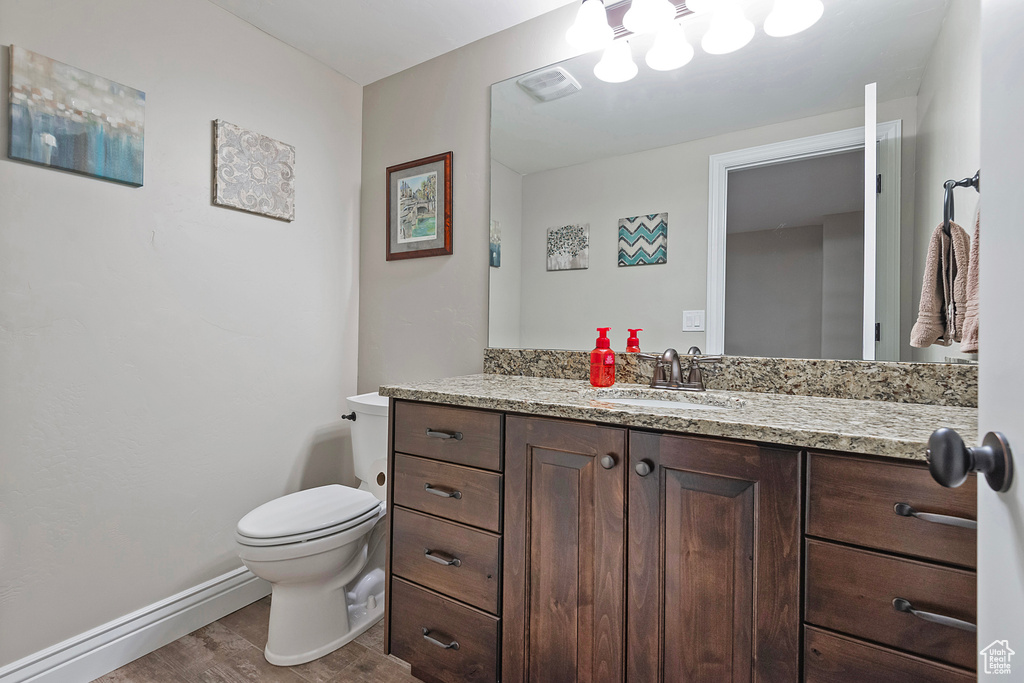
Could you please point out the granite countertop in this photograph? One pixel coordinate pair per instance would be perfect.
(898, 430)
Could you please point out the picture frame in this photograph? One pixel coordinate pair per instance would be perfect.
(419, 208)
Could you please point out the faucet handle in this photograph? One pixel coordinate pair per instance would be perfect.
(658, 376)
(708, 359)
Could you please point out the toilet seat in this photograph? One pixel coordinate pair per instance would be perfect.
(307, 515)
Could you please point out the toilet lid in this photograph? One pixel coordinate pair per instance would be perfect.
(308, 511)
(371, 404)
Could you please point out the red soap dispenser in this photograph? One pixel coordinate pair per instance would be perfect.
(602, 361)
(633, 343)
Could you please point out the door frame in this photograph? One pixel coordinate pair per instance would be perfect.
(889, 138)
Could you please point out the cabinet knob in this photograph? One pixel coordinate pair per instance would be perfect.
(950, 460)
(607, 461)
(643, 468)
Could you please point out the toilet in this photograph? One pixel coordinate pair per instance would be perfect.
(322, 550)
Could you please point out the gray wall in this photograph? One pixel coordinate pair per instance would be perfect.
(773, 288)
(948, 141)
(166, 365)
(842, 285)
(505, 282)
(422, 318)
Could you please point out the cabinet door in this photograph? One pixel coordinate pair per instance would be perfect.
(564, 582)
(714, 561)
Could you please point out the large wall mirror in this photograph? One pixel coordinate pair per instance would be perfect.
(723, 204)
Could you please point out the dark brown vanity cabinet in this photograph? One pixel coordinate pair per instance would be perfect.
(891, 590)
(714, 561)
(444, 561)
(708, 586)
(564, 578)
(539, 549)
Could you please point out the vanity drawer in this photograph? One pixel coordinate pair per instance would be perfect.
(852, 591)
(854, 501)
(465, 565)
(459, 435)
(458, 493)
(831, 658)
(475, 658)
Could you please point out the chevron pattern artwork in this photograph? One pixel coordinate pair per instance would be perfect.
(643, 240)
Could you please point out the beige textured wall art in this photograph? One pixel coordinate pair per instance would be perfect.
(253, 172)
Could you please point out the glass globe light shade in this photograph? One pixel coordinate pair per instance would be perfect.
(729, 31)
(590, 31)
(648, 16)
(792, 16)
(616, 65)
(670, 50)
(701, 6)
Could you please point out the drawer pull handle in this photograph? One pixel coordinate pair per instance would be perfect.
(453, 645)
(442, 558)
(444, 493)
(437, 434)
(905, 510)
(902, 605)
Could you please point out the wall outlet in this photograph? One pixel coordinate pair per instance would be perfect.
(693, 321)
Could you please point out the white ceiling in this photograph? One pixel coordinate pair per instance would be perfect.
(771, 80)
(367, 40)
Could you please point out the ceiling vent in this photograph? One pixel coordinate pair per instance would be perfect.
(549, 84)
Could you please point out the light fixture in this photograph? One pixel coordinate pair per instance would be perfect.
(616, 65)
(792, 16)
(590, 31)
(729, 31)
(670, 50)
(648, 16)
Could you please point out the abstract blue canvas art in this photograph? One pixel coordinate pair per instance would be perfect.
(67, 118)
(643, 240)
(495, 244)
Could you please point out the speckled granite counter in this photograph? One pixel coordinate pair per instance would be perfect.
(898, 430)
(871, 380)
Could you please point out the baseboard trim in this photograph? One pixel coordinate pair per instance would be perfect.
(114, 644)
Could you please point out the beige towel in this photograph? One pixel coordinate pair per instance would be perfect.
(940, 316)
(970, 336)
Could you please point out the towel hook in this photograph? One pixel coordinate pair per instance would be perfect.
(947, 206)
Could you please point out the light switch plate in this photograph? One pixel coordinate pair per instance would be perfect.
(693, 321)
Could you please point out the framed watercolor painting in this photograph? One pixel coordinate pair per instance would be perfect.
(420, 208)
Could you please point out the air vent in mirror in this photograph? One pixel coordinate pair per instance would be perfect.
(549, 84)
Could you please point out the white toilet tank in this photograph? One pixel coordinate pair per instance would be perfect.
(370, 441)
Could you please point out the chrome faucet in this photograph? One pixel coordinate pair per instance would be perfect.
(668, 369)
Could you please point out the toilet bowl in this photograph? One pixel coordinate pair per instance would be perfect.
(322, 550)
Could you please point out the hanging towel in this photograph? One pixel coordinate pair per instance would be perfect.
(970, 336)
(940, 315)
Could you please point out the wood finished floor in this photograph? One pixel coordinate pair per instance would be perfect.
(230, 650)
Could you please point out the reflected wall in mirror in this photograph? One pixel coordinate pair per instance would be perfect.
(791, 279)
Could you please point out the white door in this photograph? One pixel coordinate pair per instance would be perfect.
(870, 218)
(882, 187)
(1001, 341)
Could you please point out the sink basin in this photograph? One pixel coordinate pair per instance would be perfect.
(668, 399)
(660, 403)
